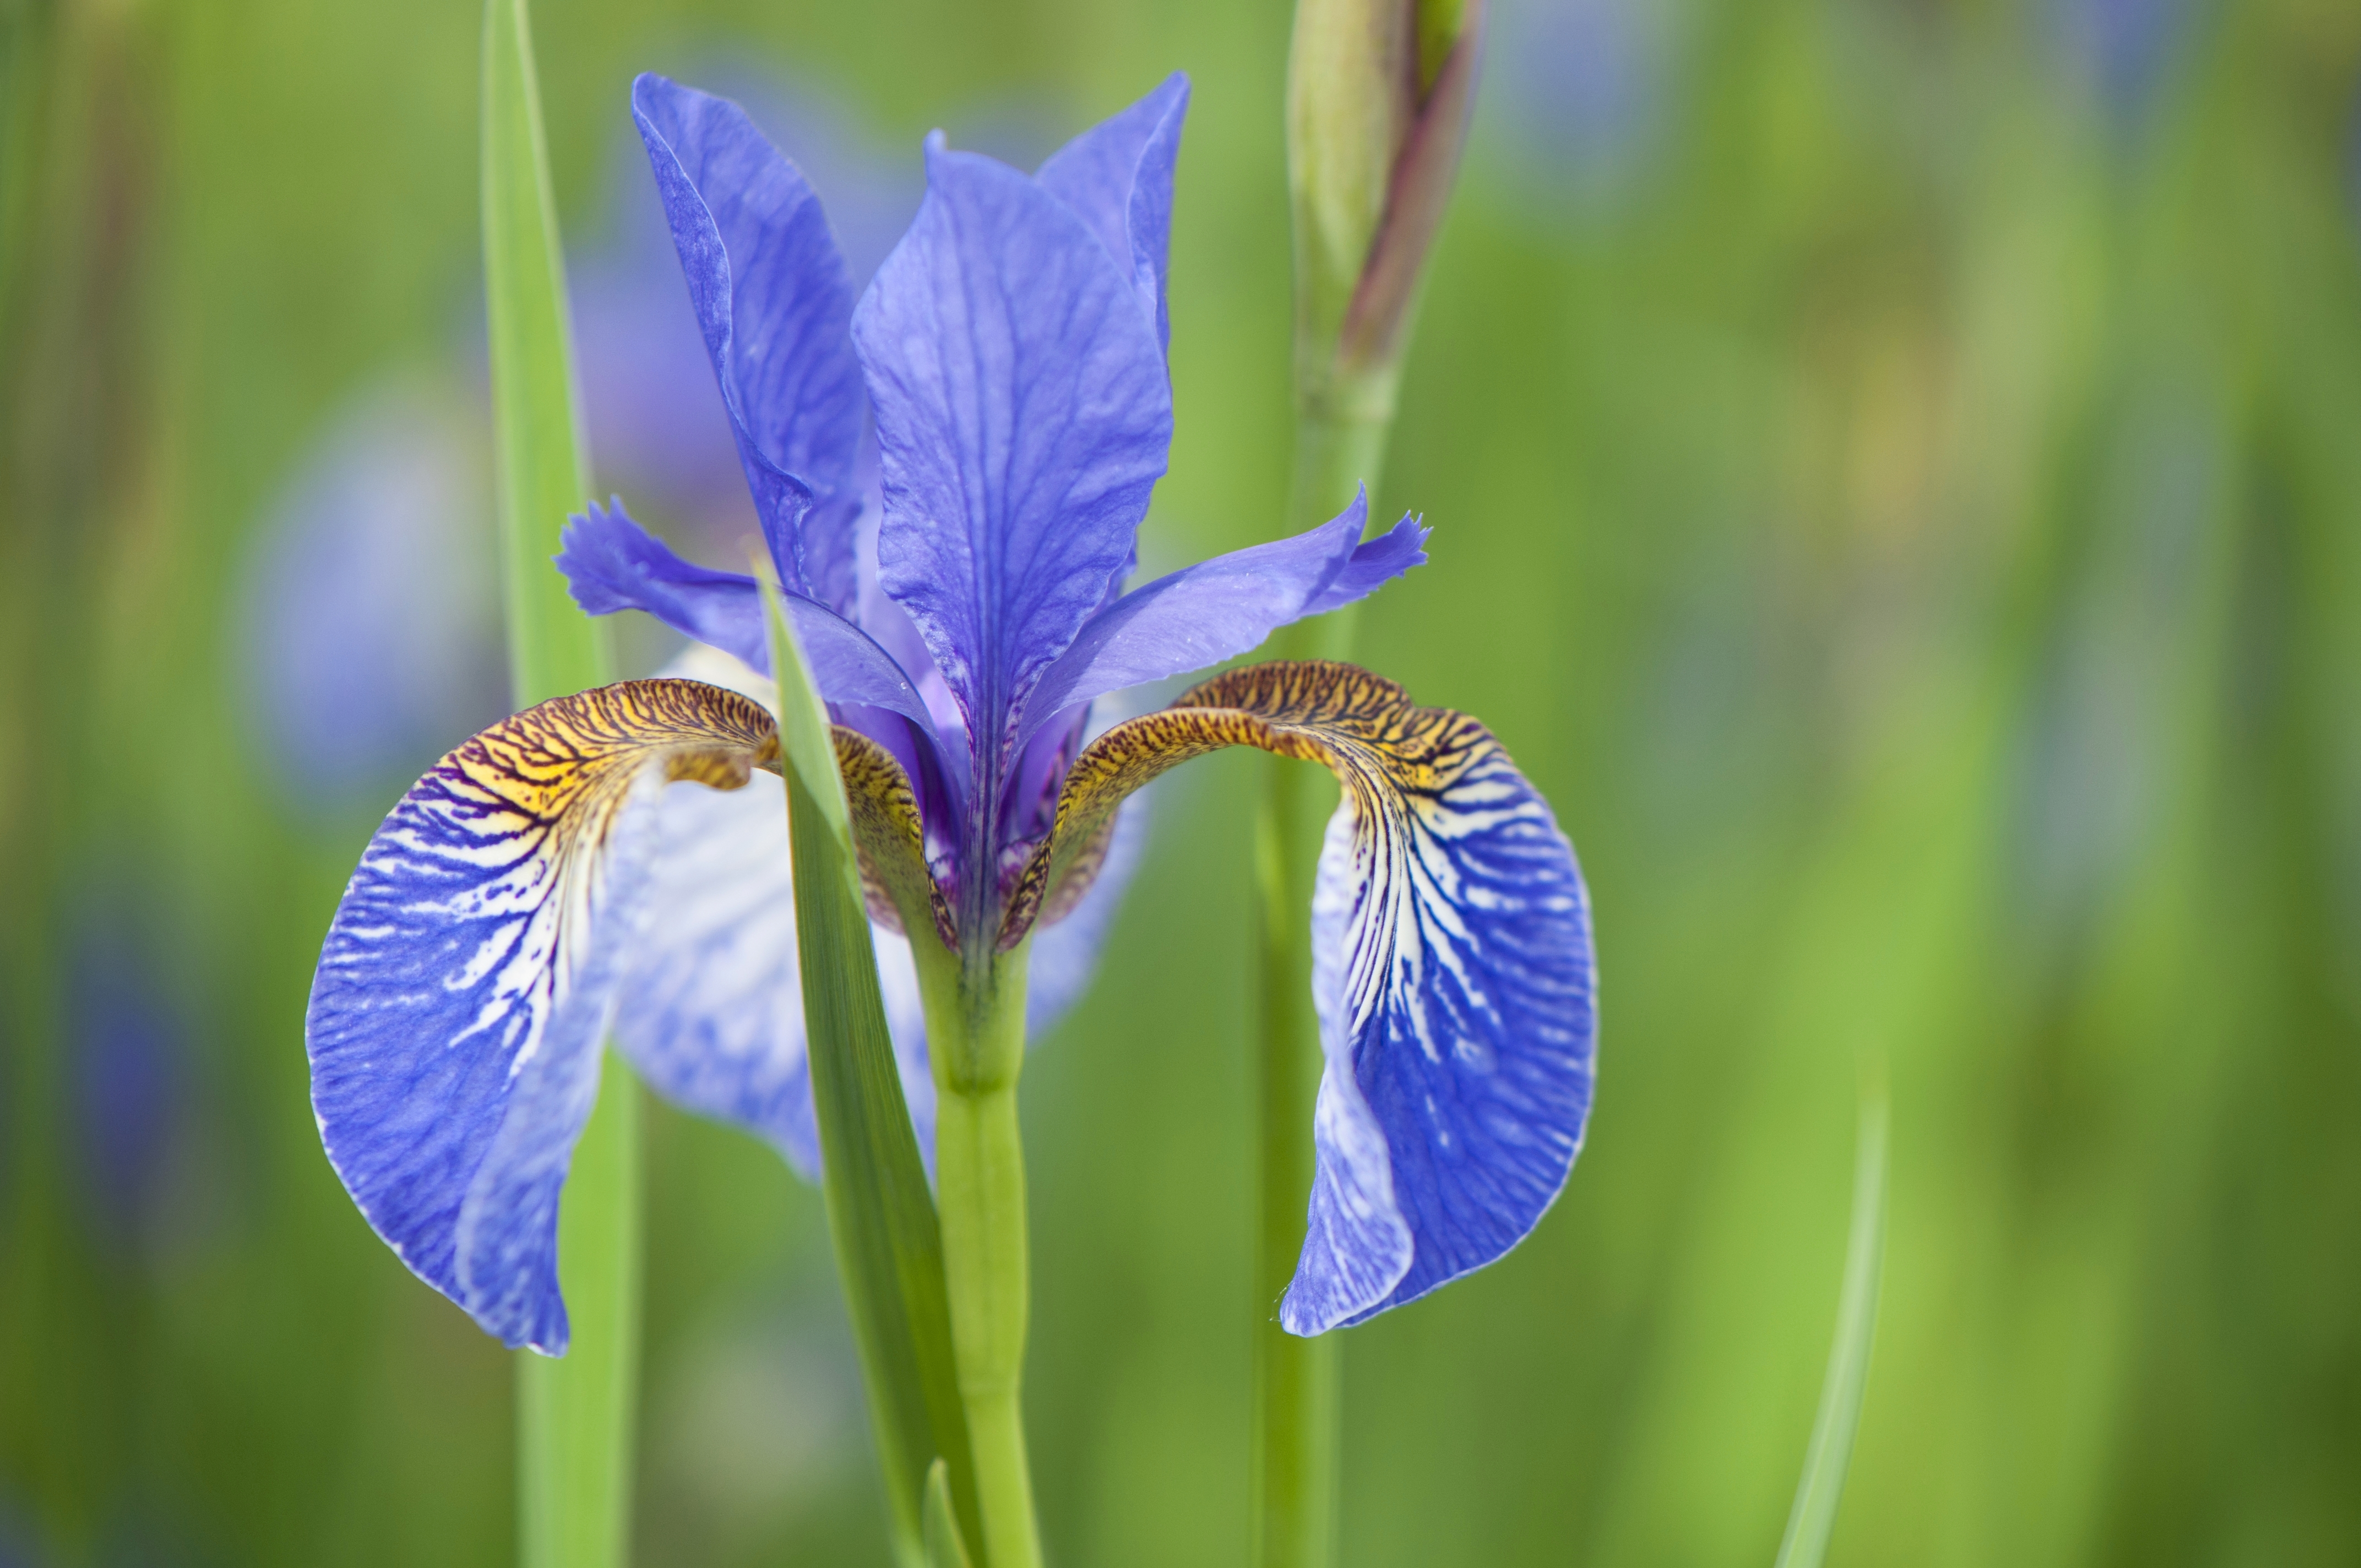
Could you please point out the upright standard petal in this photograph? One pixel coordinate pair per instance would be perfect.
(775, 305)
(1023, 417)
(1452, 973)
(1117, 177)
(1219, 608)
(455, 1018)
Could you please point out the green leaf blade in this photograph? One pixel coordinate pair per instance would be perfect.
(1814, 1516)
(554, 648)
(944, 1548)
(881, 1215)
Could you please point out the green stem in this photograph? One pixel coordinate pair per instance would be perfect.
(574, 1414)
(1296, 1381)
(975, 1035)
(1335, 453)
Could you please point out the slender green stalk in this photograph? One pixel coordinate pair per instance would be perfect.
(1830, 1452)
(975, 1035)
(574, 1415)
(1378, 97)
(1296, 1381)
(1335, 455)
(1293, 1499)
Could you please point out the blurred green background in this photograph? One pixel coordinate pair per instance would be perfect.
(1896, 468)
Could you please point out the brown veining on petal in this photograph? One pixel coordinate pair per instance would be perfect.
(889, 838)
(1388, 751)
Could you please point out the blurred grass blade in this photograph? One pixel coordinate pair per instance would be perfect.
(1831, 1452)
(944, 1548)
(574, 1415)
(889, 1247)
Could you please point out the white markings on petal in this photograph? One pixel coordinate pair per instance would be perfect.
(467, 976)
(712, 1010)
(1450, 923)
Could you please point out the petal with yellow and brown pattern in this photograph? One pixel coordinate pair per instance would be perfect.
(468, 974)
(1453, 971)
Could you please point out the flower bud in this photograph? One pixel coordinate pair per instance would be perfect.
(1378, 93)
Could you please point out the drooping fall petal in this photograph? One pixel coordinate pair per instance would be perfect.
(456, 1015)
(1453, 971)
(710, 1007)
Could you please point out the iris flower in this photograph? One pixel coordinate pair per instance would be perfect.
(575, 868)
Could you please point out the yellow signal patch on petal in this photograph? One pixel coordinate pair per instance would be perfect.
(539, 792)
(1383, 747)
(571, 753)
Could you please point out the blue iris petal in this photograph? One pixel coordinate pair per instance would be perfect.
(453, 1032)
(1023, 417)
(1066, 956)
(711, 1010)
(612, 563)
(1372, 565)
(1218, 608)
(774, 302)
(1117, 177)
(1453, 973)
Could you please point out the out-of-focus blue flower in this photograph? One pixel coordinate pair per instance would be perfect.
(2096, 750)
(572, 864)
(370, 631)
(1577, 88)
(136, 1114)
(16, 1543)
(128, 1045)
(2120, 47)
